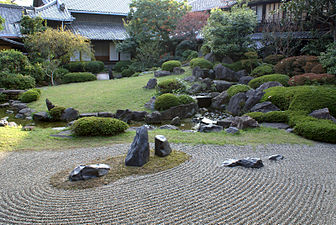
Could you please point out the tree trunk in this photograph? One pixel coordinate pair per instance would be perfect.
(52, 79)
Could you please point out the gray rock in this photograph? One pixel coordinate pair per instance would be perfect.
(138, 154)
(220, 101)
(208, 121)
(9, 111)
(3, 122)
(151, 84)
(190, 79)
(225, 123)
(322, 114)
(227, 60)
(222, 85)
(210, 128)
(195, 88)
(283, 126)
(207, 83)
(26, 111)
(232, 130)
(264, 107)
(236, 104)
(178, 70)
(204, 101)
(49, 104)
(247, 163)
(245, 79)
(161, 73)
(182, 111)
(169, 127)
(210, 56)
(88, 115)
(85, 172)
(41, 116)
(244, 122)
(150, 104)
(252, 99)
(12, 124)
(19, 106)
(276, 157)
(106, 114)
(129, 115)
(4, 105)
(153, 118)
(223, 73)
(269, 84)
(20, 116)
(162, 147)
(290, 130)
(201, 73)
(69, 114)
(176, 121)
(242, 73)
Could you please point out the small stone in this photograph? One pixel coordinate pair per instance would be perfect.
(161, 73)
(210, 128)
(4, 105)
(176, 121)
(85, 172)
(169, 127)
(19, 116)
(276, 157)
(28, 128)
(12, 124)
(162, 147)
(9, 111)
(232, 130)
(151, 84)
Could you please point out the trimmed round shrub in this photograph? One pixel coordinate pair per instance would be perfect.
(170, 65)
(94, 66)
(60, 73)
(13, 61)
(279, 96)
(16, 81)
(235, 89)
(273, 59)
(170, 86)
(236, 66)
(127, 72)
(298, 65)
(121, 65)
(312, 78)
(30, 95)
(185, 99)
(56, 113)
(78, 77)
(96, 126)
(281, 78)
(262, 70)
(202, 63)
(318, 130)
(75, 67)
(166, 101)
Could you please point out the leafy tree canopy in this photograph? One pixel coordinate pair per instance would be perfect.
(30, 25)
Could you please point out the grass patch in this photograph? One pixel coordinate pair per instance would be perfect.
(102, 96)
(119, 170)
(13, 139)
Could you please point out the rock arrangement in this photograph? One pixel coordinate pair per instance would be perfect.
(85, 172)
(250, 162)
(163, 73)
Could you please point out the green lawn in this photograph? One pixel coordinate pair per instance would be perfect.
(101, 96)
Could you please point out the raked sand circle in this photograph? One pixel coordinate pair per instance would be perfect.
(300, 189)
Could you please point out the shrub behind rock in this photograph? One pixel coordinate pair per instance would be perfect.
(170, 65)
(30, 95)
(56, 113)
(170, 86)
(281, 78)
(166, 101)
(202, 63)
(235, 89)
(96, 126)
(121, 65)
(78, 77)
(271, 117)
(273, 59)
(262, 70)
(16, 81)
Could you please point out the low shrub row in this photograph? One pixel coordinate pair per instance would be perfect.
(78, 77)
(262, 70)
(312, 78)
(16, 81)
(89, 66)
(281, 78)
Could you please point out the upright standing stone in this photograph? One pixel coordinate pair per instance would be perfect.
(162, 147)
(138, 154)
(49, 104)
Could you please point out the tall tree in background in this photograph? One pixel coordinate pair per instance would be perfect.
(30, 25)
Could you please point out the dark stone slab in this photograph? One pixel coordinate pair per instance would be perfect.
(138, 154)
(210, 128)
(151, 84)
(222, 85)
(247, 163)
(41, 116)
(178, 70)
(182, 111)
(85, 172)
(49, 104)
(245, 80)
(276, 157)
(253, 98)
(232, 130)
(106, 114)
(88, 115)
(161, 73)
(169, 127)
(162, 147)
(264, 107)
(204, 101)
(323, 114)
(70, 114)
(225, 123)
(268, 84)
(244, 122)
(236, 104)
(153, 118)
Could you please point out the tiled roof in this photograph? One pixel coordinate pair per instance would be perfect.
(99, 31)
(203, 5)
(12, 15)
(12, 42)
(112, 7)
(52, 11)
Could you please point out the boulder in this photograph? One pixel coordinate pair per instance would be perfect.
(161, 73)
(232, 130)
(203, 101)
(85, 172)
(322, 114)
(264, 107)
(276, 157)
(169, 127)
(19, 106)
(244, 122)
(210, 128)
(201, 73)
(242, 73)
(4, 105)
(162, 147)
(210, 56)
(247, 163)
(150, 104)
(41, 116)
(178, 70)
(207, 83)
(227, 60)
(151, 84)
(220, 101)
(176, 121)
(153, 118)
(195, 88)
(26, 111)
(245, 79)
(20, 116)
(225, 123)
(70, 114)
(224, 73)
(49, 104)
(106, 114)
(182, 111)
(253, 98)
(236, 104)
(222, 85)
(268, 84)
(138, 154)
(190, 79)
(129, 115)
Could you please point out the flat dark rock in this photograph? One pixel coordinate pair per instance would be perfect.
(247, 163)
(276, 157)
(85, 172)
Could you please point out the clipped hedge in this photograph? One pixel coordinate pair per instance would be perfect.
(273, 59)
(170, 86)
(318, 130)
(16, 81)
(312, 78)
(202, 63)
(271, 117)
(170, 65)
(56, 113)
(281, 78)
(235, 89)
(87, 66)
(262, 70)
(121, 65)
(166, 101)
(30, 95)
(127, 72)
(78, 77)
(97, 126)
